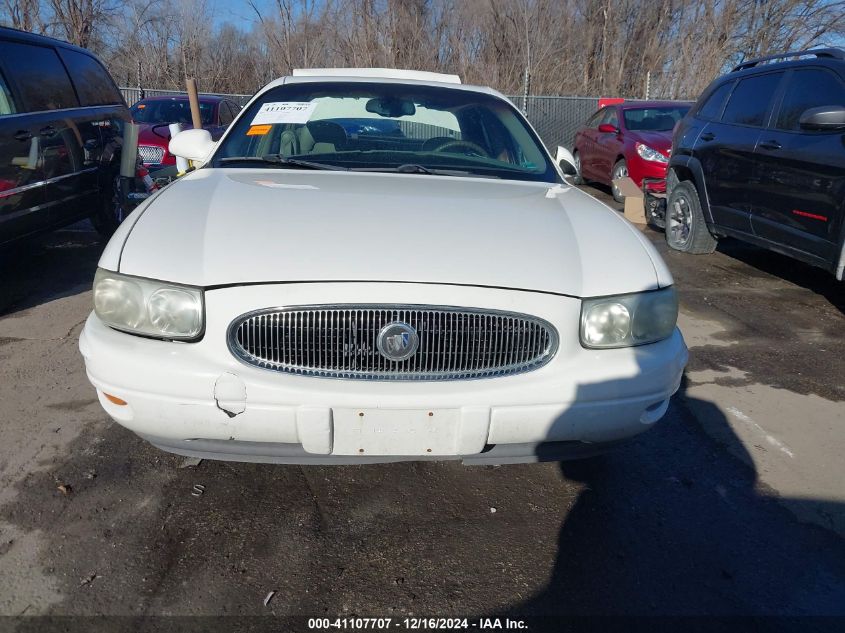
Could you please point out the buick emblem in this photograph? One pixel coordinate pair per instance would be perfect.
(397, 341)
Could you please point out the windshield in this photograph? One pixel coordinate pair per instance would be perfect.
(170, 111)
(661, 119)
(388, 127)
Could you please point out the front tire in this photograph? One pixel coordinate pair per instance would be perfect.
(620, 170)
(686, 229)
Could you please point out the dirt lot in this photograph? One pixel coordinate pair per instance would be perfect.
(733, 505)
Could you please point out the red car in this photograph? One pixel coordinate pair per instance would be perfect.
(632, 138)
(154, 114)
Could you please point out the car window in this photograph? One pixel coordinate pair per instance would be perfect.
(7, 104)
(40, 77)
(383, 126)
(808, 88)
(749, 102)
(594, 120)
(93, 84)
(611, 117)
(225, 114)
(712, 108)
(657, 119)
(177, 110)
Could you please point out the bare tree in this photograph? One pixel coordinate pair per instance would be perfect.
(25, 15)
(76, 19)
(571, 47)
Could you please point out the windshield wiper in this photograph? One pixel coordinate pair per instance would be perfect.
(413, 168)
(280, 161)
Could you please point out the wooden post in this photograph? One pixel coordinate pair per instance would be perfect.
(193, 97)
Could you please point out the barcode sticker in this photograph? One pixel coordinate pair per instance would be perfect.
(284, 112)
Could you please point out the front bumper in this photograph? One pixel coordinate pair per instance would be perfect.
(198, 399)
(639, 168)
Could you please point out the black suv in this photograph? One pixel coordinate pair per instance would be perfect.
(61, 119)
(761, 157)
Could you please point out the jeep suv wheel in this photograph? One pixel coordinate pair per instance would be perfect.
(686, 229)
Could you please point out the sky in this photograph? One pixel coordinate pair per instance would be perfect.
(238, 12)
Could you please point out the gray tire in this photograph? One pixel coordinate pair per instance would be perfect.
(686, 229)
(620, 170)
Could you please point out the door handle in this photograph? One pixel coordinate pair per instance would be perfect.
(47, 131)
(770, 145)
(707, 136)
(23, 135)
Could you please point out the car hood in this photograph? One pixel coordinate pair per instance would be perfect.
(233, 226)
(661, 141)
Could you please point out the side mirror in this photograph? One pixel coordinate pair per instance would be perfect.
(566, 161)
(829, 118)
(607, 128)
(194, 145)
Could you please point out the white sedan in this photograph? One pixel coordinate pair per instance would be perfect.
(377, 266)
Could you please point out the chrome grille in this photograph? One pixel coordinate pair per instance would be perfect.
(151, 154)
(341, 342)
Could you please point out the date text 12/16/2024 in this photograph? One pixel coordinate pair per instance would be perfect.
(416, 624)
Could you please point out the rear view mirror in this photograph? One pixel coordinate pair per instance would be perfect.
(608, 128)
(194, 145)
(566, 161)
(392, 108)
(830, 117)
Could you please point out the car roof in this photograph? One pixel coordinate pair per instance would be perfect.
(7, 32)
(378, 73)
(206, 98)
(364, 78)
(790, 58)
(833, 58)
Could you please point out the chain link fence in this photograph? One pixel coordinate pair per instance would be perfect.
(556, 119)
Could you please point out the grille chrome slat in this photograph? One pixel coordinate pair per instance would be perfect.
(340, 341)
(151, 154)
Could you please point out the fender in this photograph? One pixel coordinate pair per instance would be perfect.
(694, 166)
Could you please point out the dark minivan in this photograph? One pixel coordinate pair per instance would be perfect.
(761, 157)
(61, 118)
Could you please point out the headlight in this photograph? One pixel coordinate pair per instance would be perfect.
(144, 306)
(648, 153)
(626, 320)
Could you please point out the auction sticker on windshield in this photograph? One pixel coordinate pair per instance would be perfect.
(284, 112)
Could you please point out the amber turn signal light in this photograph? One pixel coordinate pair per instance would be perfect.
(115, 399)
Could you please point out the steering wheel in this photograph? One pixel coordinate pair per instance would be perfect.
(472, 147)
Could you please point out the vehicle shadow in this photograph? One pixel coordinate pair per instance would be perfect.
(815, 279)
(675, 525)
(48, 267)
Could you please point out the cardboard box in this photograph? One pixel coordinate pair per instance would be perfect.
(634, 203)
